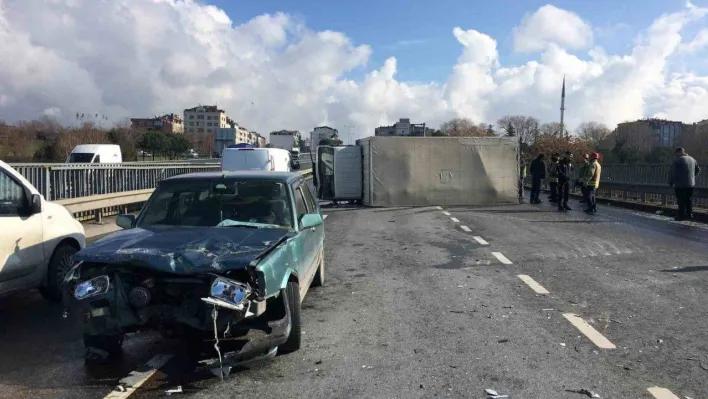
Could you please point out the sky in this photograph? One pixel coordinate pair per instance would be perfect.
(286, 64)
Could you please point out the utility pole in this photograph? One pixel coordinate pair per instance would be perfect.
(350, 132)
(562, 127)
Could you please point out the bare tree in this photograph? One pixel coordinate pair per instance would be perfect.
(464, 127)
(593, 132)
(526, 128)
(551, 128)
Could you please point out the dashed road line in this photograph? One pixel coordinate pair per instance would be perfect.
(465, 228)
(439, 207)
(662, 393)
(480, 240)
(446, 213)
(501, 258)
(589, 331)
(324, 217)
(456, 220)
(533, 284)
(136, 379)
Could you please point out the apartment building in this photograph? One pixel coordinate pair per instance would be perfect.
(664, 131)
(168, 123)
(205, 119)
(403, 127)
(323, 133)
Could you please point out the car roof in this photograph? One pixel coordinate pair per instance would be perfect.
(240, 174)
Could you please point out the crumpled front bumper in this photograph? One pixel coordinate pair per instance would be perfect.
(242, 335)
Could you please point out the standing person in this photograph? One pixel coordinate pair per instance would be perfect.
(538, 173)
(553, 178)
(565, 169)
(522, 177)
(581, 174)
(683, 177)
(591, 181)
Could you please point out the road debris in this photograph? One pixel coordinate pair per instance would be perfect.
(563, 344)
(174, 390)
(367, 367)
(503, 341)
(492, 394)
(586, 392)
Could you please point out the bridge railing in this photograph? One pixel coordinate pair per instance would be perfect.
(64, 181)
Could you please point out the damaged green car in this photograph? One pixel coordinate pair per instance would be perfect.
(220, 259)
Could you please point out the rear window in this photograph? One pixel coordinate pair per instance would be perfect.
(80, 157)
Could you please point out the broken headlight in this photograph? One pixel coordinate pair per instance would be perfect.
(228, 293)
(89, 288)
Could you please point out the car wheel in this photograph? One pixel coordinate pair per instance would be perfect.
(60, 264)
(101, 348)
(292, 290)
(320, 276)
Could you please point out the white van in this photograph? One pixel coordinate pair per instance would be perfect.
(268, 159)
(95, 153)
(38, 238)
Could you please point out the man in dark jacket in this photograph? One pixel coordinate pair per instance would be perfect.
(683, 177)
(553, 178)
(538, 173)
(565, 170)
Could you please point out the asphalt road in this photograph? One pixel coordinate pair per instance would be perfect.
(417, 306)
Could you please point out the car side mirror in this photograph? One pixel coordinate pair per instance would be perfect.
(125, 221)
(309, 220)
(35, 204)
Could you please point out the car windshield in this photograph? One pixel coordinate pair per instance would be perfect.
(80, 157)
(248, 203)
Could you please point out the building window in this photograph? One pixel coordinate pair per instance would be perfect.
(200, 130)
(208, 123)
(191, 116)
(191, 123)
(208, 130)
(200, 116)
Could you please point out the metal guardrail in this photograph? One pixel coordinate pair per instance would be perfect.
(97, 206)
(64, 181)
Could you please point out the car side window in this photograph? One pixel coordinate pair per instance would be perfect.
(309, 200)
(12, 195)
(300, 206)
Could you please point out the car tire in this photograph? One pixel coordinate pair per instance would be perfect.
(110, 344)
(60, 264)
(319, 279)
(292, 290)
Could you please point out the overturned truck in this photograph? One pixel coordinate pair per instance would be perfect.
(421, 171)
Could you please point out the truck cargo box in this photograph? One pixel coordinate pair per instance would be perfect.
(444, 171)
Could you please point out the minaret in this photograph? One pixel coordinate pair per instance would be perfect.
(562, 127)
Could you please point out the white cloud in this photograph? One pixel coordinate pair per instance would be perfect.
(698, 43)
(127, 58)
(551, 25)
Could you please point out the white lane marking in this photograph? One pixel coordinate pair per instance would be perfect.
(480, 240)
(662, 393)
(538, 288)
(465, 228)
(503, 259)
(324, 217)
(456, 220)
(598, 339)
(439, 207)
(446, 213)
(137, 378)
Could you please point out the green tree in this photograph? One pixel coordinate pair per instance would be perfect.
(153, 142)
(177, 145)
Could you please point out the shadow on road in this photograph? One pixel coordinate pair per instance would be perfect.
(687, 269)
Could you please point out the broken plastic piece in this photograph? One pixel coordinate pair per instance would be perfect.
(492, 394)
(174, 390)
(590, 394)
